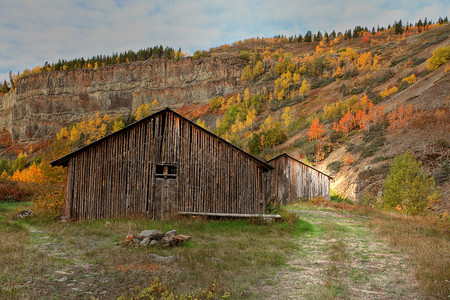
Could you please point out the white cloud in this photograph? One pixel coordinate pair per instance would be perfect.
(32, 32)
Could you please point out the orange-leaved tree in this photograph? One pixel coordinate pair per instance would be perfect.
(316, 130)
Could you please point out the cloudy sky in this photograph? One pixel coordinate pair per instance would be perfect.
(35, 31)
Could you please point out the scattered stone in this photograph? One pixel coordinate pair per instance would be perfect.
(25, 214)
(184, 237)
(10, 198)
(163, 259)
(217, 259)
(63, 272)
(145, 242)
(171, 233)
(154, 237)
(153, 234)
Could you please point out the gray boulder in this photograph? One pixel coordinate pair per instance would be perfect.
(154, 242)
(145, 241)
(152, 234)
(171, 233)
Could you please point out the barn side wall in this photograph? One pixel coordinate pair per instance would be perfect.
(116, 178)
(291, 180)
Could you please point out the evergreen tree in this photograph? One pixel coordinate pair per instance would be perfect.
(333, 35)
(398, 27)
(308, 37)
(318, 37)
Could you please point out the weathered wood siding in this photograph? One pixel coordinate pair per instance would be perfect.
(291, 180)
(117, 177)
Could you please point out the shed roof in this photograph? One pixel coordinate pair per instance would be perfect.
(63, 161)
(287, 155)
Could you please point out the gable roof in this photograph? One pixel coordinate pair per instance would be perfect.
(287, 155)
(63, 161)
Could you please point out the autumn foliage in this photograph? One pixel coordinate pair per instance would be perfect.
(387, 92)
(316, 130)
(402, 115)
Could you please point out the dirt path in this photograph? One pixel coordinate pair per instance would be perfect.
(341, 259)
(71, 277)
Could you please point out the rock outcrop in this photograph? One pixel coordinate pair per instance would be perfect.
(43, 103)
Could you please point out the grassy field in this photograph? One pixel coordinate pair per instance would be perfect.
(327, 254)
(51, 259)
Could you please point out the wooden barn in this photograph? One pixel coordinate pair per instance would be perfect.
(291, 180)
(162, 165)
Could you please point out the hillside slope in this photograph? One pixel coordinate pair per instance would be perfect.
(264, 95)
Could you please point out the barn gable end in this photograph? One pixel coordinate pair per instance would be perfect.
(292, 179)
(158, 166)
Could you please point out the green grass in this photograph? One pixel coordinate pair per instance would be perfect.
(13, 206)
(235, 253)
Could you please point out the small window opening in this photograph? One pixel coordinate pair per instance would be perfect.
(166, 171)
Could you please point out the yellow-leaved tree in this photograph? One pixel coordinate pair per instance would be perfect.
(304, 88)
(287, 116)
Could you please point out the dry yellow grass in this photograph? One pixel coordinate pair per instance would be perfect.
(426, 241)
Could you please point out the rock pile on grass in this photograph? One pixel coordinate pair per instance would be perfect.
(156, 237)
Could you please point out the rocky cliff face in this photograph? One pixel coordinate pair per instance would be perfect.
(43, 103)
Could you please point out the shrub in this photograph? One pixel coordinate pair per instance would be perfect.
(356, 91)
(376, 99)
(274, 137)
(380, 79)
(317, 83)
(49, 200)
(254, 144)
(417, 61)
(440, 56)
(157, 290)
(300, 142)
(215, 104)
(334, 166)
(245, 55)
(289, 217)
(335, 137)
(19, 163)
(442, 174)
(374, 132)
(10, 191)
(348, 160)
(198, 54)
(310, 150)
(5, 166)
(344, 90)
(373, 147)
(336, 197)
(352, 147)
(350, 74)
(406, 189)
(442, 143)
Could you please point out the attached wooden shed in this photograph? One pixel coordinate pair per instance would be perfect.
(159, 166)
(292, 179)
